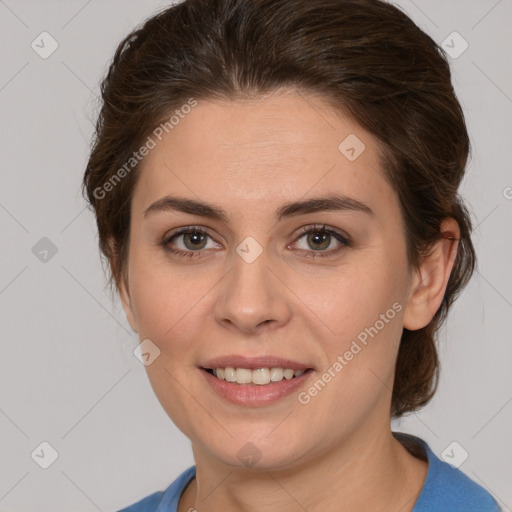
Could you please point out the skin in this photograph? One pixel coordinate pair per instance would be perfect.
(250, 157)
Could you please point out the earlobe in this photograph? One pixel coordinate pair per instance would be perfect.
(124, 294)
(431, 279)
(121, 280)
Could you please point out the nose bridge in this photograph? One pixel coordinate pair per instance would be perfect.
(251, 295)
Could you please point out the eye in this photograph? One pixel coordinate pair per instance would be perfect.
(318, 239)
(193, 241)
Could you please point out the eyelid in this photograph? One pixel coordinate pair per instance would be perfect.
(186, 229)
(323, 227)
(344, 240)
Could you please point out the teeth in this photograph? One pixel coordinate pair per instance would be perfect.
(288, 374)
(276, 374)
(243, 376)
(259, 376)
(229, 374)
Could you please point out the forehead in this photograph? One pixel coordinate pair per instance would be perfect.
(259, 151)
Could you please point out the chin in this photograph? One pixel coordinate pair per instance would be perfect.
(258, 454)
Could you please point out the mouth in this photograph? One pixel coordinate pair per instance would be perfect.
(256, 376)
(255, 382)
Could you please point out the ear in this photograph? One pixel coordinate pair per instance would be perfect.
(121, 282)
(430, 280)
(124, 294)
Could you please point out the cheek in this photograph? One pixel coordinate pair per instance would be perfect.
(168, 304)
(360, 348)
(358, 317)
(352, 298)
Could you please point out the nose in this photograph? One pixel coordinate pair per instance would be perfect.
(252, 297)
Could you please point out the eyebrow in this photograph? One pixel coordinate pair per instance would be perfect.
(332, 202)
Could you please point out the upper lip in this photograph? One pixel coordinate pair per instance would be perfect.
(238, 361)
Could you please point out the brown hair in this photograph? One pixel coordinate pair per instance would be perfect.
(366, 57)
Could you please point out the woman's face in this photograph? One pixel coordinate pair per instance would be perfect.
(266, 282)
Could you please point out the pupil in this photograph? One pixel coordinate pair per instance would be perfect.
(319, 235)
(196, 238)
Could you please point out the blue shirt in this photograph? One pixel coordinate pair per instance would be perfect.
(446, 489)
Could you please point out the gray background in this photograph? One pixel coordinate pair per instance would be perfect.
(67, 372)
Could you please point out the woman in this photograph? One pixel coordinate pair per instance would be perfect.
(275, 187)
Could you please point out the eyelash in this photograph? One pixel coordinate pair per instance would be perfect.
(345, 241)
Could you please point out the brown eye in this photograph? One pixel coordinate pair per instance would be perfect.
(189, 242)
(194, 240)
(318, 239)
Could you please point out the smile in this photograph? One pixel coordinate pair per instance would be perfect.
(255, 387)
(257, 376)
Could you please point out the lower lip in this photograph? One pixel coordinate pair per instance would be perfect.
(253, 394)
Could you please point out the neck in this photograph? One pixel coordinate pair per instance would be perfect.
(365, 472)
